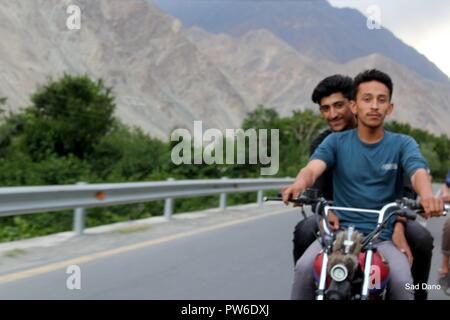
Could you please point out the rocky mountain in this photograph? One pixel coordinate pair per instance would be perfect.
(264, 66)
(277, 75)
(161, 80)
(313, 27)
(165, 76)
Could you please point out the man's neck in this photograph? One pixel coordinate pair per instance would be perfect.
(370, 135)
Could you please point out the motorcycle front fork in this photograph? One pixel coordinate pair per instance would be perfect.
(320, 293)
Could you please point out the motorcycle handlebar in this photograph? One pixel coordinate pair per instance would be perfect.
(273, 199)
(307, 197)
(415, 205)
(407, 213)
(409, 207)
(411, 204)
(298, 200)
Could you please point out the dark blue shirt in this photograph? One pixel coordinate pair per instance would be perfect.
(368, 176)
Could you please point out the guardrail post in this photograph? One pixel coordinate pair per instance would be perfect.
(223, 199)
(168, 205)
(260, 198)
(79, 215)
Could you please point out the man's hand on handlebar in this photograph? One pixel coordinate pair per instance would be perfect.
(432, 207)
(292, 191)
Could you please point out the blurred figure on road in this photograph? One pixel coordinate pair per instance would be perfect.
(444, 275)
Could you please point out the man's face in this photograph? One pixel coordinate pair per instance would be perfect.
(372, 104)
(336, 109)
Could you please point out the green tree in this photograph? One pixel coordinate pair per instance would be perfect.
(126, 154)
(69, 116)
(436, 149)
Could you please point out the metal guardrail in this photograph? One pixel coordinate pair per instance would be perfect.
(26, 200)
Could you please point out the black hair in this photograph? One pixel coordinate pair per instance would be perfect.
(333, 84)
(374, 75)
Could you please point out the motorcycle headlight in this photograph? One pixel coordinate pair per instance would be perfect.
(339, 273)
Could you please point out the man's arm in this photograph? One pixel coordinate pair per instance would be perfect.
(305, 179)
(415, 166)
(422, 185)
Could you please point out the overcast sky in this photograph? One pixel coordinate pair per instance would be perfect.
(424, 25)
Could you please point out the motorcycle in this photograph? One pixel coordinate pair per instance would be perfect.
(349, 267)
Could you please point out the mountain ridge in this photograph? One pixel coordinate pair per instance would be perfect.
(314, 28)
(165, 76)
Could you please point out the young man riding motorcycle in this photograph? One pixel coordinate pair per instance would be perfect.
(367, 165)
(333, 94)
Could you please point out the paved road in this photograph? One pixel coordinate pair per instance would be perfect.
(247, 258)
(435, 226)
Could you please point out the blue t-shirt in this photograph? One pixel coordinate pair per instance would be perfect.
(368, 176)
